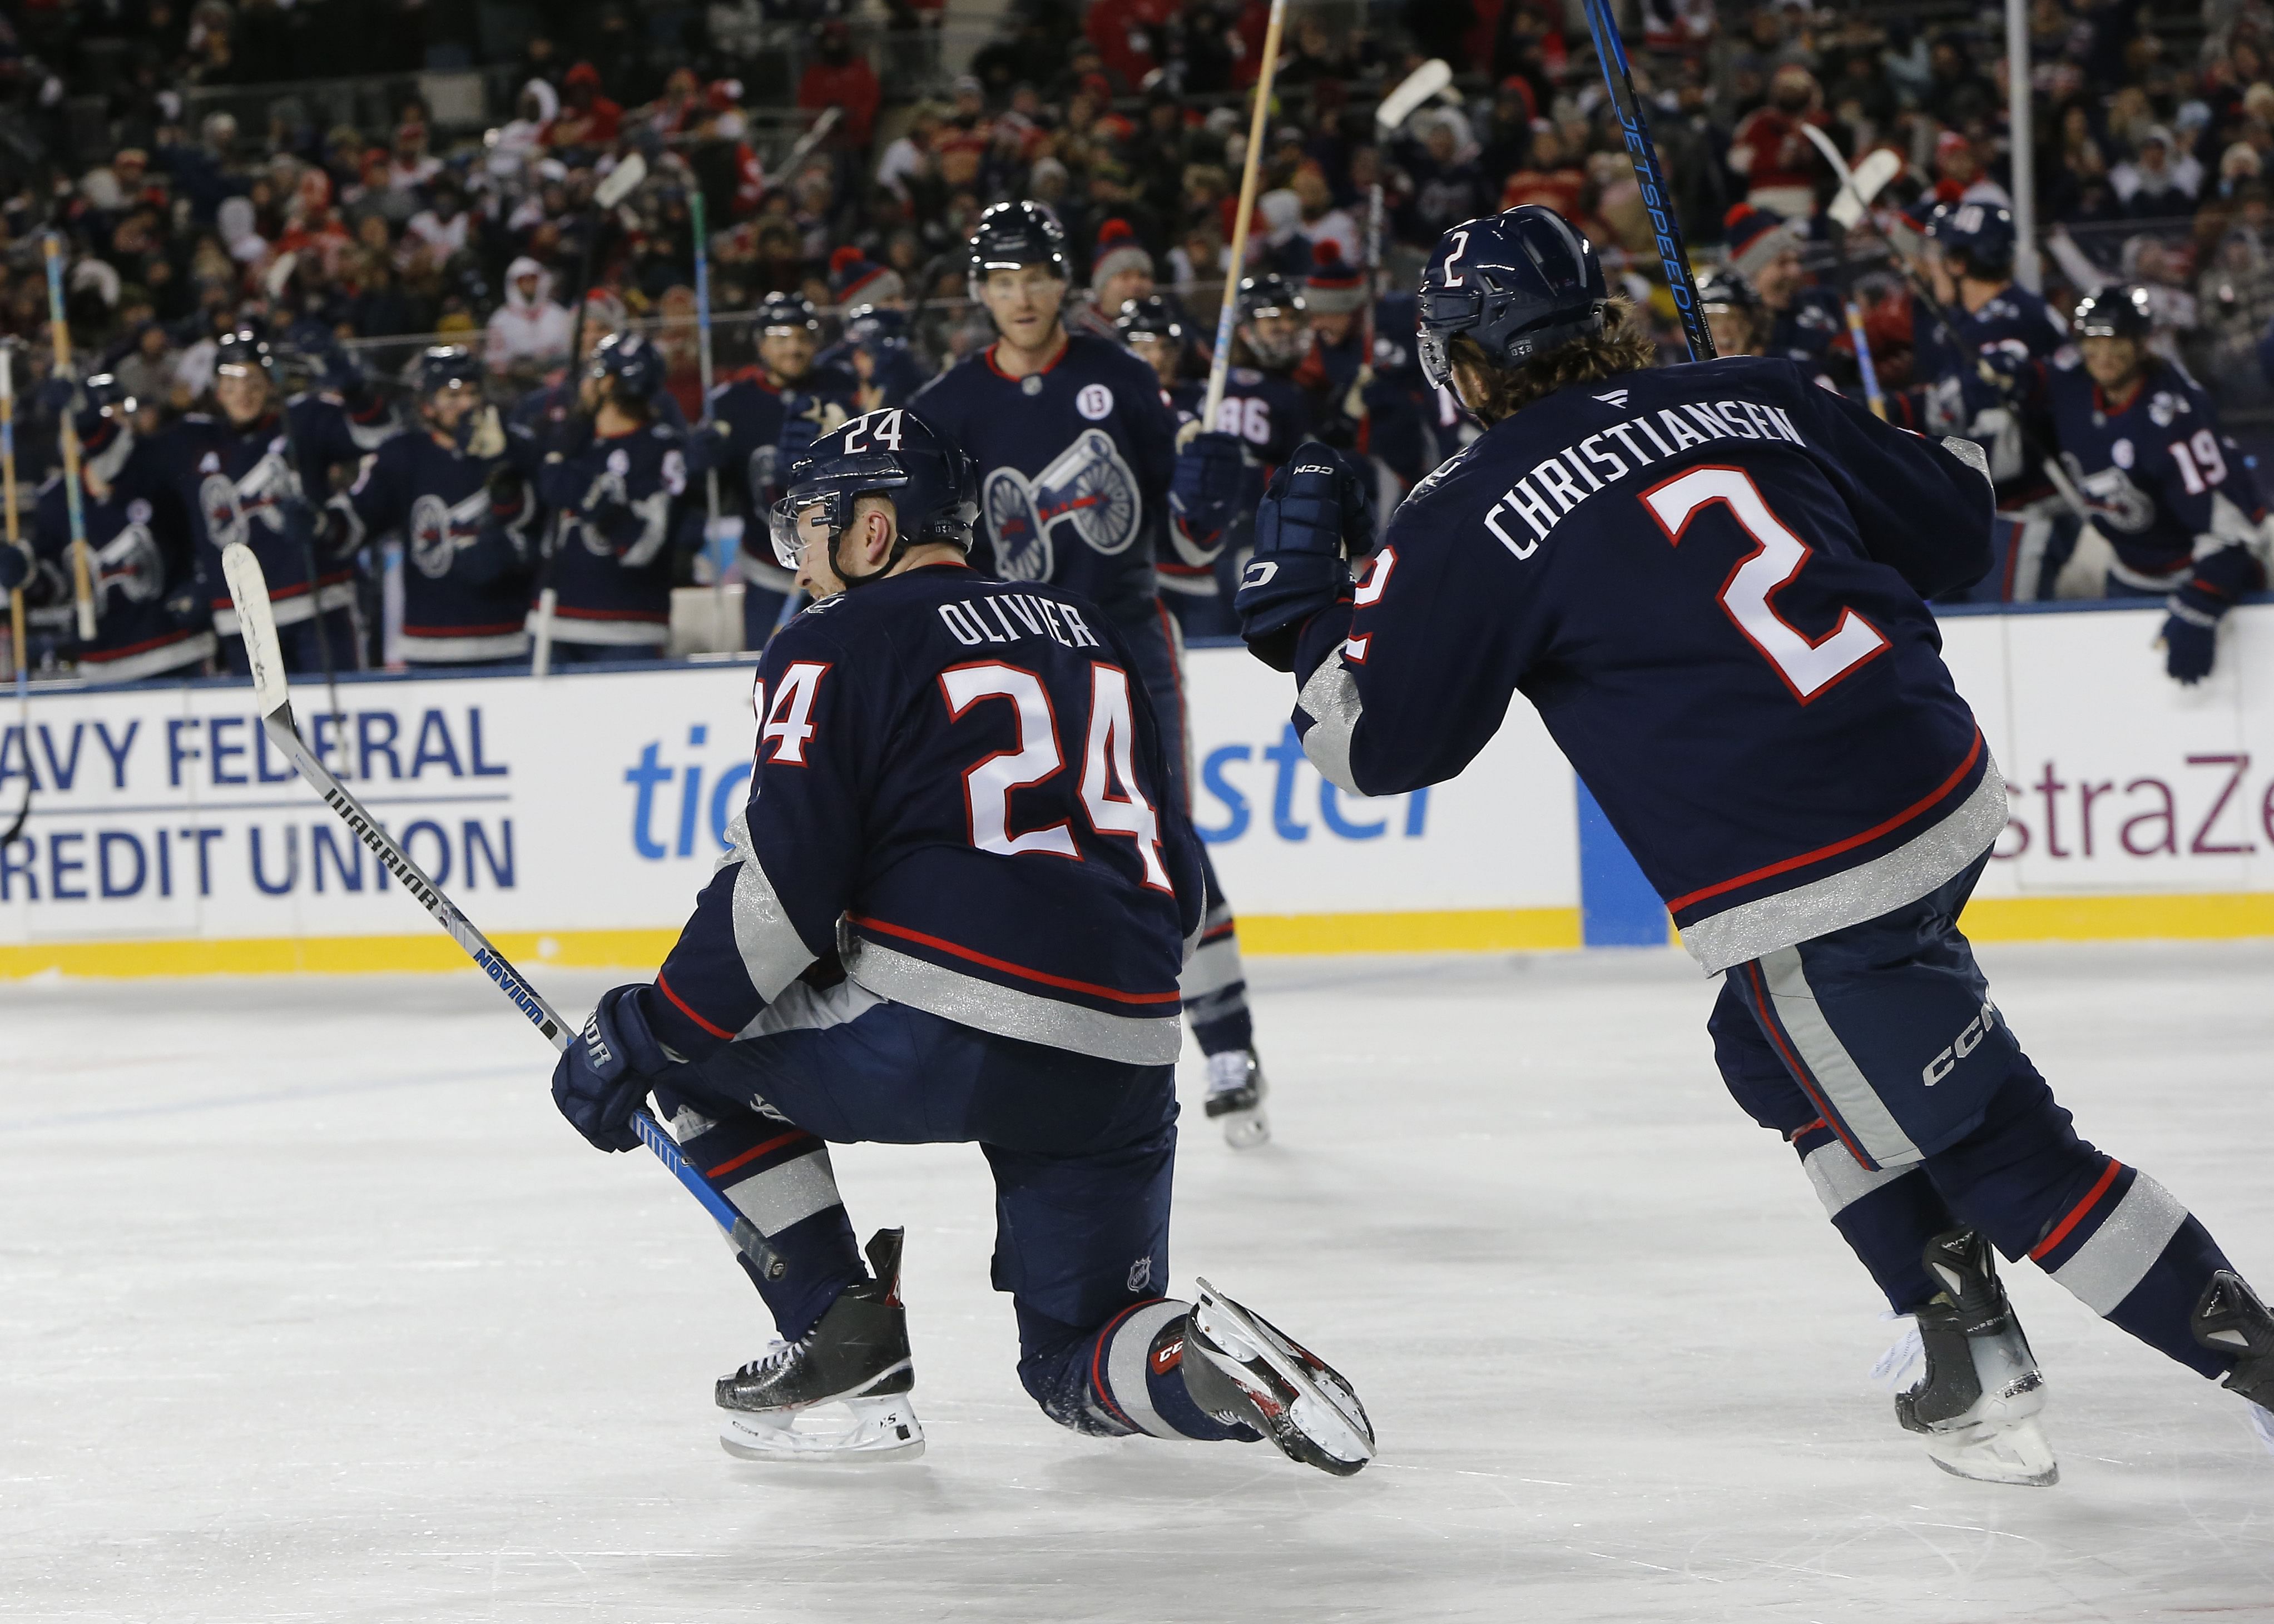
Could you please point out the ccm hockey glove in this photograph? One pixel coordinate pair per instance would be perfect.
(2191, 629)
(1316, 505)
(1204, 493)
(607, 1072)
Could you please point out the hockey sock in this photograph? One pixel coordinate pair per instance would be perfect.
(1215, 986)
(1887, 1217)
(2115, 1236)
(1126, 1378)
(778, 1176)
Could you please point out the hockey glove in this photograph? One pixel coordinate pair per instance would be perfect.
(706, 447)
(615, 524)
(15, 566)
(1315, 504)
(53, 397)
(607, 1072)
(2191, 629)
(1204, 493)
(508, 494)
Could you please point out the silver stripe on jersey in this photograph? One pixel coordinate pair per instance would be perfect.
(773, 954)
(150, 662)
(1931, 858)
(1128, 1364)
(1970, 454)
(803, 1007)
(293, 610)
(1008, 1012)
(448, 651)
(2107, 1267)
(782, 1195)
(1841, 1181)
(1330, 699)
(1836, 1073)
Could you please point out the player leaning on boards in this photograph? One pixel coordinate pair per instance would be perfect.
(954, 910)
(1078, 458)
(1708, 580)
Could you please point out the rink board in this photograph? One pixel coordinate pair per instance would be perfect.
(576, 819)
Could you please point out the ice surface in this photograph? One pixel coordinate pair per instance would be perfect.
(310, 1308)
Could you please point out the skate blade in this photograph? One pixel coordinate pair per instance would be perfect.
(2015, 1454)
(1318, 1403)
(851, 1432)
(1246, 1130)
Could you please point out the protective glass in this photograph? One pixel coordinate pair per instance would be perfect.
(804, 519)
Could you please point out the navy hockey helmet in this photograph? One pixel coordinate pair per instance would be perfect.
(1726, 289)
(1272, 294)
(787, 312)
(1153, 317)
(1520, 283)
(933, 488)
(875, 329)
(447, 367)
(1980, 235)
(1015, 233)
(630, 362)
(242, 351)
(2115, 312)
(106, 406)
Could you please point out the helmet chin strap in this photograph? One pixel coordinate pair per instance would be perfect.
(837, 564)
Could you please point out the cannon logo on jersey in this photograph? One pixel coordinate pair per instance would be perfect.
(231, 510)
(130, 565)
(440, 530)
(2112, 497)
(1088, 488)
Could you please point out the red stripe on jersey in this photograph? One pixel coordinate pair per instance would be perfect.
(2076, 1213)
(679, 1004)
(1005, 966)
(755, 1151)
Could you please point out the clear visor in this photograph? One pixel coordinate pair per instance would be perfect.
(796, 523)
(1435, 366)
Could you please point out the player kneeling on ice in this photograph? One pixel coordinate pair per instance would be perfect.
(1708, 580)
(954, 910)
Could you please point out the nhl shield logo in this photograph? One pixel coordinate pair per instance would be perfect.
(1086, 487)
(1141, 1273)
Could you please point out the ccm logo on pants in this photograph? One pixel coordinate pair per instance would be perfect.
(1963, 1045)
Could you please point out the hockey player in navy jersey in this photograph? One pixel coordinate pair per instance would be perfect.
(1076, 454)
(1709, 582)
(150, 620)
(2177, 514)
(1971, 264)
(615, 478)
(465, 514)
(954, 910)
(234, 474)
(784, 396)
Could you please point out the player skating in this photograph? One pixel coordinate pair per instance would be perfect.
(1076, 454)
(1708, 580)
(955, 909)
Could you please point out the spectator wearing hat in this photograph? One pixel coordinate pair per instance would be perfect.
(1334, 298)
(1120, 270)
(1781, 165)
(840, 77)
(1765, 250)
(1959, 177)
(586, 118)
(2151, 185)
(528, 332)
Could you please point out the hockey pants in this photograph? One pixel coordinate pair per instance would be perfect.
(1214, 984)
(1877, 1053)
(1081, 1149)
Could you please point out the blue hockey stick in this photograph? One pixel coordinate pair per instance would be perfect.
(248, 588)
(1657, 197)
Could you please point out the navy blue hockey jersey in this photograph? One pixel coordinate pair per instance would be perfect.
(2164, 484)
(466, 576)
(333, 438)
(615, 495)
(754, 412)
(238, 484)
(1805, 330)
(150, 618)
(1708, 578)
(959, 787)
(2014, 319)
(1074, 466)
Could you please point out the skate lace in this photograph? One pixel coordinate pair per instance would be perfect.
(777, 1355)
(1901, 1368)
(1229, 1070)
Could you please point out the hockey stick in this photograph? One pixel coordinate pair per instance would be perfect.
(16, 596)
(1250, 167)
(1870, 374)
(59, 331)
(709, 375)
(315, 589)
(811, 139)
(1398, 105)
(1650, 175)
(248, 589)
(621, 181)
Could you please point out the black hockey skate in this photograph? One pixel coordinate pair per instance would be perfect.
(1978, 1403)
(1236, 1091)
(839, 1392)
(1240, 1367)
(2230, 1318)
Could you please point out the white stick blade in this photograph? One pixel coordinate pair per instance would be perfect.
(248, 589)
(621, 181)
(1424, 82)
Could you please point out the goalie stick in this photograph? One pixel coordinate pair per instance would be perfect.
(248, 589)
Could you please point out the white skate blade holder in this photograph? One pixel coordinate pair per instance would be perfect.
(1997, 1440)
(852, 1432)
(1317, 1408)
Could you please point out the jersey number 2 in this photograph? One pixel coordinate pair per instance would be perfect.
(1111, 757)
(1807, 668)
